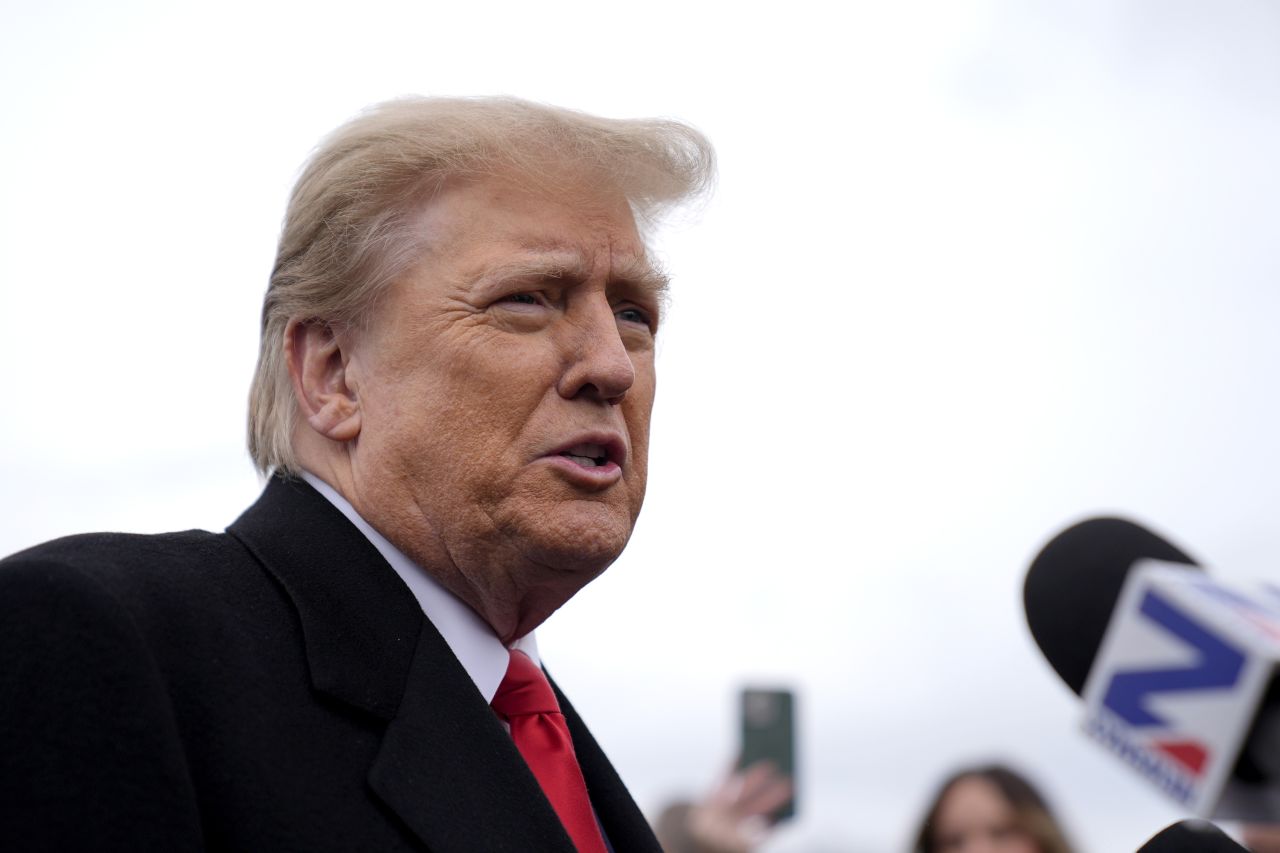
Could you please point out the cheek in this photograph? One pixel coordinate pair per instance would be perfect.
(637, 410)
(466, 389)
(637, 478)
(638, 403)
(427, 429)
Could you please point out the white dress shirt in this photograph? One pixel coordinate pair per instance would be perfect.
(473, 642)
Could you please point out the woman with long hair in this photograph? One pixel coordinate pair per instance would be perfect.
(990, 809)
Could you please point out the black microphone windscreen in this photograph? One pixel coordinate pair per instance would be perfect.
(1191, 836)
(1073, 585)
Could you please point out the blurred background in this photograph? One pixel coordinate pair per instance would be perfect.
(974, 270)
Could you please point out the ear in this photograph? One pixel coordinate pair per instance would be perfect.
(318, 368)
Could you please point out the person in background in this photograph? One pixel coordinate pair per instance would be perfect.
(989, 809)
(732, 818)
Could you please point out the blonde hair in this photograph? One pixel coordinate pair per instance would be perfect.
(348, 233)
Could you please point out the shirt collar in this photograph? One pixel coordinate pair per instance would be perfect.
(473, 642)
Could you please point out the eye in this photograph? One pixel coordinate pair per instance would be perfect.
(633, 315)
(521, 299)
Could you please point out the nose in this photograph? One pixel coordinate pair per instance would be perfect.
(597, 363)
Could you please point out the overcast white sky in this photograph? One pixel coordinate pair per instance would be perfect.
(974, 270)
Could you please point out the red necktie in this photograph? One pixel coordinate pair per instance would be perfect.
(525, 700)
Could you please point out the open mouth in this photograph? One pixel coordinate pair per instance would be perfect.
(587, 455)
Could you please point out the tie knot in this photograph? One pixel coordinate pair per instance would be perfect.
(524, 690)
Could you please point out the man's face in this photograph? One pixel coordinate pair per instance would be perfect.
(505, 386)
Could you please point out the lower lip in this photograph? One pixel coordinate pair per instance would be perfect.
(598, 477)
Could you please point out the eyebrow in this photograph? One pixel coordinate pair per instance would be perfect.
(634, 271)
(642, 273)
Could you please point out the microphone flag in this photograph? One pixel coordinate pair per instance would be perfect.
(1181, 676)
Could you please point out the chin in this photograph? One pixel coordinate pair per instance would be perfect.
(580, 540)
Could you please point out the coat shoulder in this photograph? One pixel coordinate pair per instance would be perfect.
(141, 572)
(188, 596)
(107, 554)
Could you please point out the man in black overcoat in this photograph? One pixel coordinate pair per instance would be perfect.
(451, 408)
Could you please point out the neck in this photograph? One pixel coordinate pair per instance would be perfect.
(509, 610)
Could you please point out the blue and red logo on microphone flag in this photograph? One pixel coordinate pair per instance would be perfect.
(1131, 693)
(1174, 686)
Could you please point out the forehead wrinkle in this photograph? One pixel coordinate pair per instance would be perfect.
(556, 260)
(565, 264)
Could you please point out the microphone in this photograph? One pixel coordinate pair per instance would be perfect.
(1177, 671)
(1190, 836)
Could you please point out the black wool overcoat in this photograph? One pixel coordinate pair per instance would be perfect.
(272, 688)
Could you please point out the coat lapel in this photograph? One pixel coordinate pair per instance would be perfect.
(624, 824)
(360, 623)
(446, 766)
(450, 771)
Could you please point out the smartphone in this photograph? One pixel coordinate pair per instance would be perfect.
(768, 734)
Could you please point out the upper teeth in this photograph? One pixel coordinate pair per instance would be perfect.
(587, 454)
